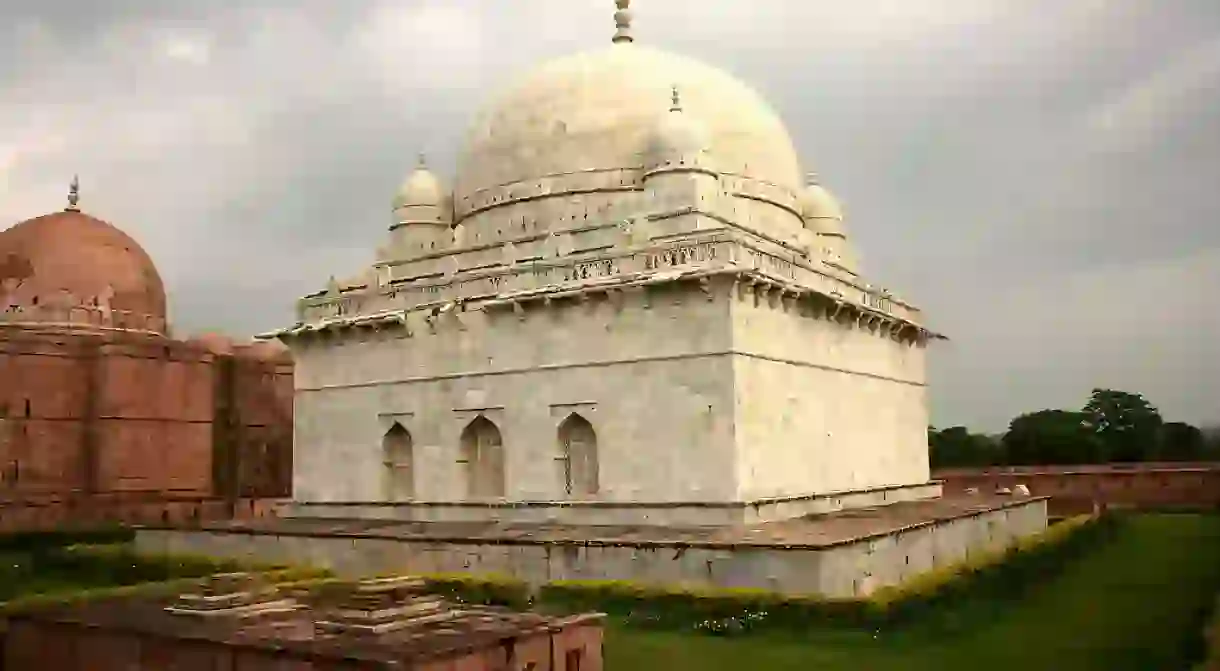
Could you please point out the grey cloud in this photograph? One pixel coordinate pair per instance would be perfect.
(253, 148)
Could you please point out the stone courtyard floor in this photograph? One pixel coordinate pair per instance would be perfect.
(1135, 603)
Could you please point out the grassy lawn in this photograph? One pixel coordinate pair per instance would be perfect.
(1135, 603)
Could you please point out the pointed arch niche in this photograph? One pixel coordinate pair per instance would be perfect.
(398, 464)
(577, 458)
(482, 459)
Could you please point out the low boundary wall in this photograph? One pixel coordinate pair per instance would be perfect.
(852, 567)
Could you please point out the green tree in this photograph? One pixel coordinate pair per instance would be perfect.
(1050, 437)
(1211, 444)
(1179, 441)
(1126, 424)
(956, 447)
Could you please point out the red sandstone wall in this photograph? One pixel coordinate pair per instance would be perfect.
(1078, 489)
(44, 390)
(155, 414)
(140, 423)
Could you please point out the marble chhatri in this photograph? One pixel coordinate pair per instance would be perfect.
(632, 305)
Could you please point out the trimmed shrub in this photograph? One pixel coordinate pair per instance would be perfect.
(485, 590)
(723, 612)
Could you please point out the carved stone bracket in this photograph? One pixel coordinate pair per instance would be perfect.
(757, 291)
(773, 294)
(741, 288)
(789, 299)
(833, 314)
(847, 315)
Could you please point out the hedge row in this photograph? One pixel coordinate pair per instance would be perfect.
(161, 589)
(1211, 661)
(86, 567)
(39, 541)
(120, 564)
(727, 611)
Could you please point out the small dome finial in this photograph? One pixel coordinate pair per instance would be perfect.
(421, 161)
(811, 179)
(675, 100)
(73, 195)
(622, 21)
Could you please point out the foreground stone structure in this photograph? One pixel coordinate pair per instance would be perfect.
(235, 622)
(846, 554)
(103, 413)
(630, 325)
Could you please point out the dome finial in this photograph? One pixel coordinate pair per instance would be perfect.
(811, 179)
(622, 21)
(421, 161)
(73, 195)
(675, 100)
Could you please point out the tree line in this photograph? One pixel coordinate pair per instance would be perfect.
(1113, 426)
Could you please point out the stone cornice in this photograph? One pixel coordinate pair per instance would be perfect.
(745, 283)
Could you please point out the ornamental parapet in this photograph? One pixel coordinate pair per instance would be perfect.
(80, 317)
(712, 252)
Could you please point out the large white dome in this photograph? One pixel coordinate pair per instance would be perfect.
(597, 111)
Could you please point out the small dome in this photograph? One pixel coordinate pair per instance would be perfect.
(265, 350)
(69, 259)
(421, 189)
(215, 343)
(820, 210)
(678, 137)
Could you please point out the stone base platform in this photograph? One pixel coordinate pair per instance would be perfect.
(841, 554)
(616, 513)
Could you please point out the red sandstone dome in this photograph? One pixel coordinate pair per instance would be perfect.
(69, 267)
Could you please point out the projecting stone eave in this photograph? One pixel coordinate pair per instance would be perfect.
(744, 279)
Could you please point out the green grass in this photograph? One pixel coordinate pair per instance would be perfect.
(1136, 602)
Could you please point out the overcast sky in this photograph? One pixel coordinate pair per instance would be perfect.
(1041, 176)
